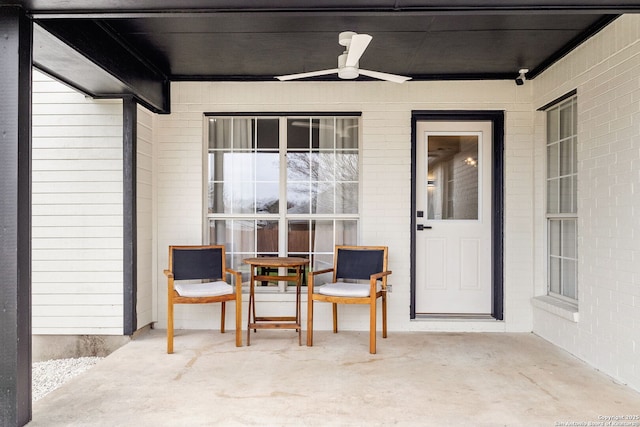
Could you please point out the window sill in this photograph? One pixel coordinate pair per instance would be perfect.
(555, 306)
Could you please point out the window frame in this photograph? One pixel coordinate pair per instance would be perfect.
(556, 214)
(284, 218)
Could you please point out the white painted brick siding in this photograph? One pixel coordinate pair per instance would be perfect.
(386, 179)
(606, 73)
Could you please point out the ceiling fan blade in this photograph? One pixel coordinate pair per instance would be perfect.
(385, 76)
(305, 75)
(359, 43)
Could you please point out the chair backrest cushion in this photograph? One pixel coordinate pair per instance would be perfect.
(191, 264)
(358, 263)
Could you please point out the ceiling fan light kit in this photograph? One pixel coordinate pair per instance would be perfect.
(344, 71)
(349, 61)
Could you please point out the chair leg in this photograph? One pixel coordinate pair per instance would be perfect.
(384, 315)
(223, 312)
(238, 323)
(335, 318)
(170, 326)
(372, 327)
(310, 322)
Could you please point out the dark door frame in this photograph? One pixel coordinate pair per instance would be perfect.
(496, 117)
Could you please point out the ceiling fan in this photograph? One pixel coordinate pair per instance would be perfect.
(348, 66)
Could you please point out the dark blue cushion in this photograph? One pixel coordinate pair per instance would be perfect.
(190, 264)
(359, 264)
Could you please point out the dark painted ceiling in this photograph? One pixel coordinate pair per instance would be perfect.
(420, 46)
(146, 43)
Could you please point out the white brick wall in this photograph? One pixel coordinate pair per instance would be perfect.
(386, 172)
(77, 212)
(606, 73)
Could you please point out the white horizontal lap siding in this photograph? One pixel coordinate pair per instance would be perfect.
(145, 294)
(77, 212)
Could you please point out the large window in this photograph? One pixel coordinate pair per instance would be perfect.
(282, 186)
(562, 210)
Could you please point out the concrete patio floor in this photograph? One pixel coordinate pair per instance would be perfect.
(416, 379)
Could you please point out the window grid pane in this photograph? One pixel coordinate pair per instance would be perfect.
(320, 183)
(562, 168)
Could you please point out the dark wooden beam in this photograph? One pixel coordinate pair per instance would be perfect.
(142, 7)
(15, 216)
(129, 156)
(96, 43)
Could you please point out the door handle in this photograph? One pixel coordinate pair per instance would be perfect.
(423, 227)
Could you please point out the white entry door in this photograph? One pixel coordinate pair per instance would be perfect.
(453, 240)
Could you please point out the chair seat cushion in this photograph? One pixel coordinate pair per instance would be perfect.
(342, 289)
(210, 289)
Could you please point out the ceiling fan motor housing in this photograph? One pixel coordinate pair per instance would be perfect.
(345, 72)
(344, 38)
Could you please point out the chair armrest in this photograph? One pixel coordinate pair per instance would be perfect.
(311, 276)
(235, 273)
(169, 274)
(373, 279)
(380, 275)
(237, 283)
(326, 270)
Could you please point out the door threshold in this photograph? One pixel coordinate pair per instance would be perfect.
(454, 316)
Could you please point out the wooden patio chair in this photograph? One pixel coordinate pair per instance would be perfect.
(359, 277)
(197, 275)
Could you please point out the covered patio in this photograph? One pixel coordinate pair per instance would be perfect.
(104, 158)
(416, 379)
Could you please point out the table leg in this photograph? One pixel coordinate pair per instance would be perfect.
(251, 310)
(298, 317)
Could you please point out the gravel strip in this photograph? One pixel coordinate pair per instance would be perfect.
(51, 374)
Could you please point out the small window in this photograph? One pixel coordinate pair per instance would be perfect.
(562, 209)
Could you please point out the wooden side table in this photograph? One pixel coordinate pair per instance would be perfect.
(275, 322)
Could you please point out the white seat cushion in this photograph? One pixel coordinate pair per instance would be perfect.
(210, 289)
(341, 289)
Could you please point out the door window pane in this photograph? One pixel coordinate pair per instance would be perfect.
(452, 177)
